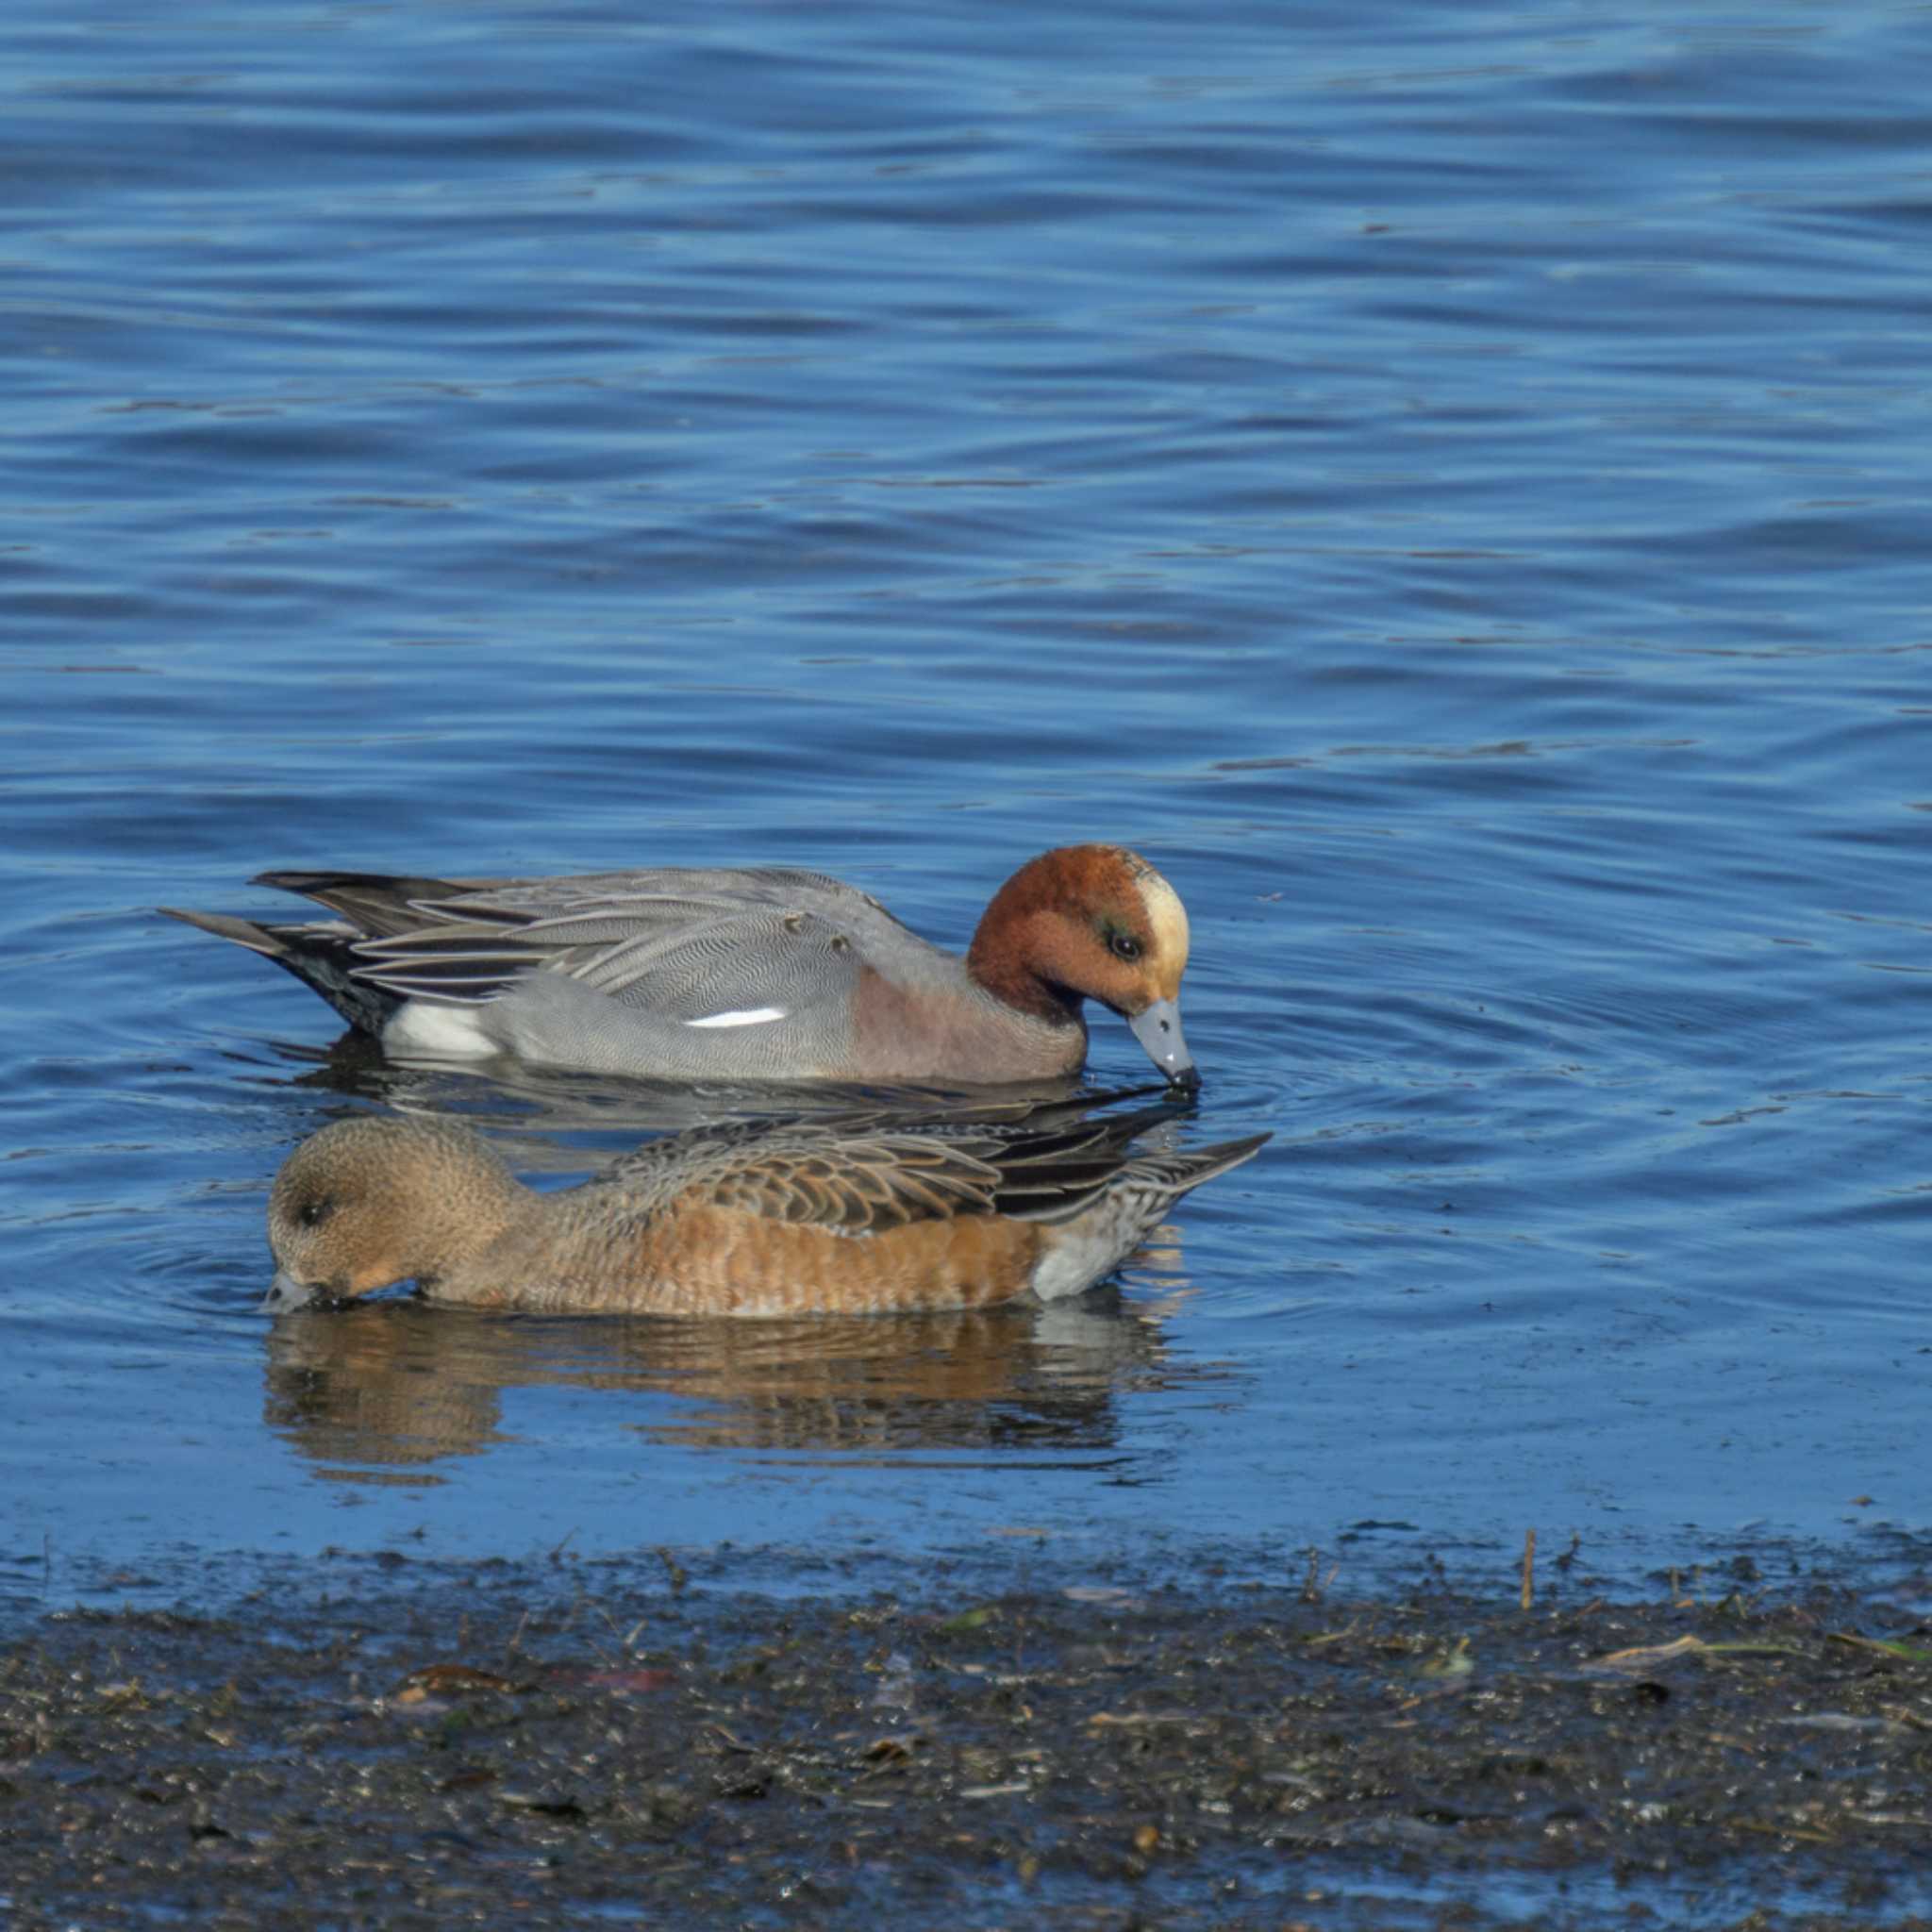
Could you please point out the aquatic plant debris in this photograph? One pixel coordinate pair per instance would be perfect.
(505, 1746)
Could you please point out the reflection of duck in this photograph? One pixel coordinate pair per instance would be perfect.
(550, 1122)
(399, 1384)
(860, 1214)
(771, 974)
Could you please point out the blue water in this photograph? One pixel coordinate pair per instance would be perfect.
(1449, 483)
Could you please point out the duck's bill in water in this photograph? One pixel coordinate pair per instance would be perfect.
(285, 1292)
(1158, 1028)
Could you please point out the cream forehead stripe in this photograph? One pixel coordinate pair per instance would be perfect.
(1165, 914)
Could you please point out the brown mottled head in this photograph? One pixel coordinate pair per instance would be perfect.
(368, 1202)
(1091, 922)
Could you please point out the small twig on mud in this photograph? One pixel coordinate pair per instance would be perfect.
(622, 1643)
(1311, 1584)
(516, 1636)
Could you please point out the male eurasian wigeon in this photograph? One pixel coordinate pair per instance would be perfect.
(764, 974)
(858, 1214)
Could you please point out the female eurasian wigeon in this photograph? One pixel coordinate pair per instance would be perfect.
(858, 1214)
(766, 974)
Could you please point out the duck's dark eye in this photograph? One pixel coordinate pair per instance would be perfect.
(313, 1213)
(1124, 946)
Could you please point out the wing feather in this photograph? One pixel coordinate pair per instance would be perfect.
(862, 1173)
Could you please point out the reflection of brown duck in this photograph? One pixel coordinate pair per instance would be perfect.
(399, 1383)
(860, 1214)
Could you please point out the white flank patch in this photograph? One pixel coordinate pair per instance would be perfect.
(1077, 1253)
(449, 1033)
(748, 1016)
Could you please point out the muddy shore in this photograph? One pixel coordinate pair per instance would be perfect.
(383, 1742)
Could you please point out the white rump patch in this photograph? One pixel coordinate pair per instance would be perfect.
(438, 1032)
(1084, 1251)
(746, 1016)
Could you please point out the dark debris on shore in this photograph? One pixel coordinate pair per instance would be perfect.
(472, 1749)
